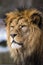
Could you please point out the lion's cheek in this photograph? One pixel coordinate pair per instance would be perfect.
(18, 39)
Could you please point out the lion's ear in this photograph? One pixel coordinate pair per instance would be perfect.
(37, 18)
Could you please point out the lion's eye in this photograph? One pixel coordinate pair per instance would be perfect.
(23, 26)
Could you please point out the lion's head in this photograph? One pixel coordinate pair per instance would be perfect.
(24, 33)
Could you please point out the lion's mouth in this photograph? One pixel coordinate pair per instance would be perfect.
(16, 44)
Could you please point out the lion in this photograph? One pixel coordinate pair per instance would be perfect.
(24, 36)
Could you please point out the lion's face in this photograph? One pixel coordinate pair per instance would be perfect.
(23, 35)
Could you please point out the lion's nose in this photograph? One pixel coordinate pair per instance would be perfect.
(13, 35)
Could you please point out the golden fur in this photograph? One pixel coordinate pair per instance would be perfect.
(26, 25)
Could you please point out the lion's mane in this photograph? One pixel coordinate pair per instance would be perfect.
(32, 51)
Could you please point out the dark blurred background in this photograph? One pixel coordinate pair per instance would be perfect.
(6, 6)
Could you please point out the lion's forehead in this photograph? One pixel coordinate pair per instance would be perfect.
(19, 22)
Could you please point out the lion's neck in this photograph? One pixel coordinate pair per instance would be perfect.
(33, 60)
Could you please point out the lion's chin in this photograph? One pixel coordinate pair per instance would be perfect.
(15, 46)
(17, 54)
